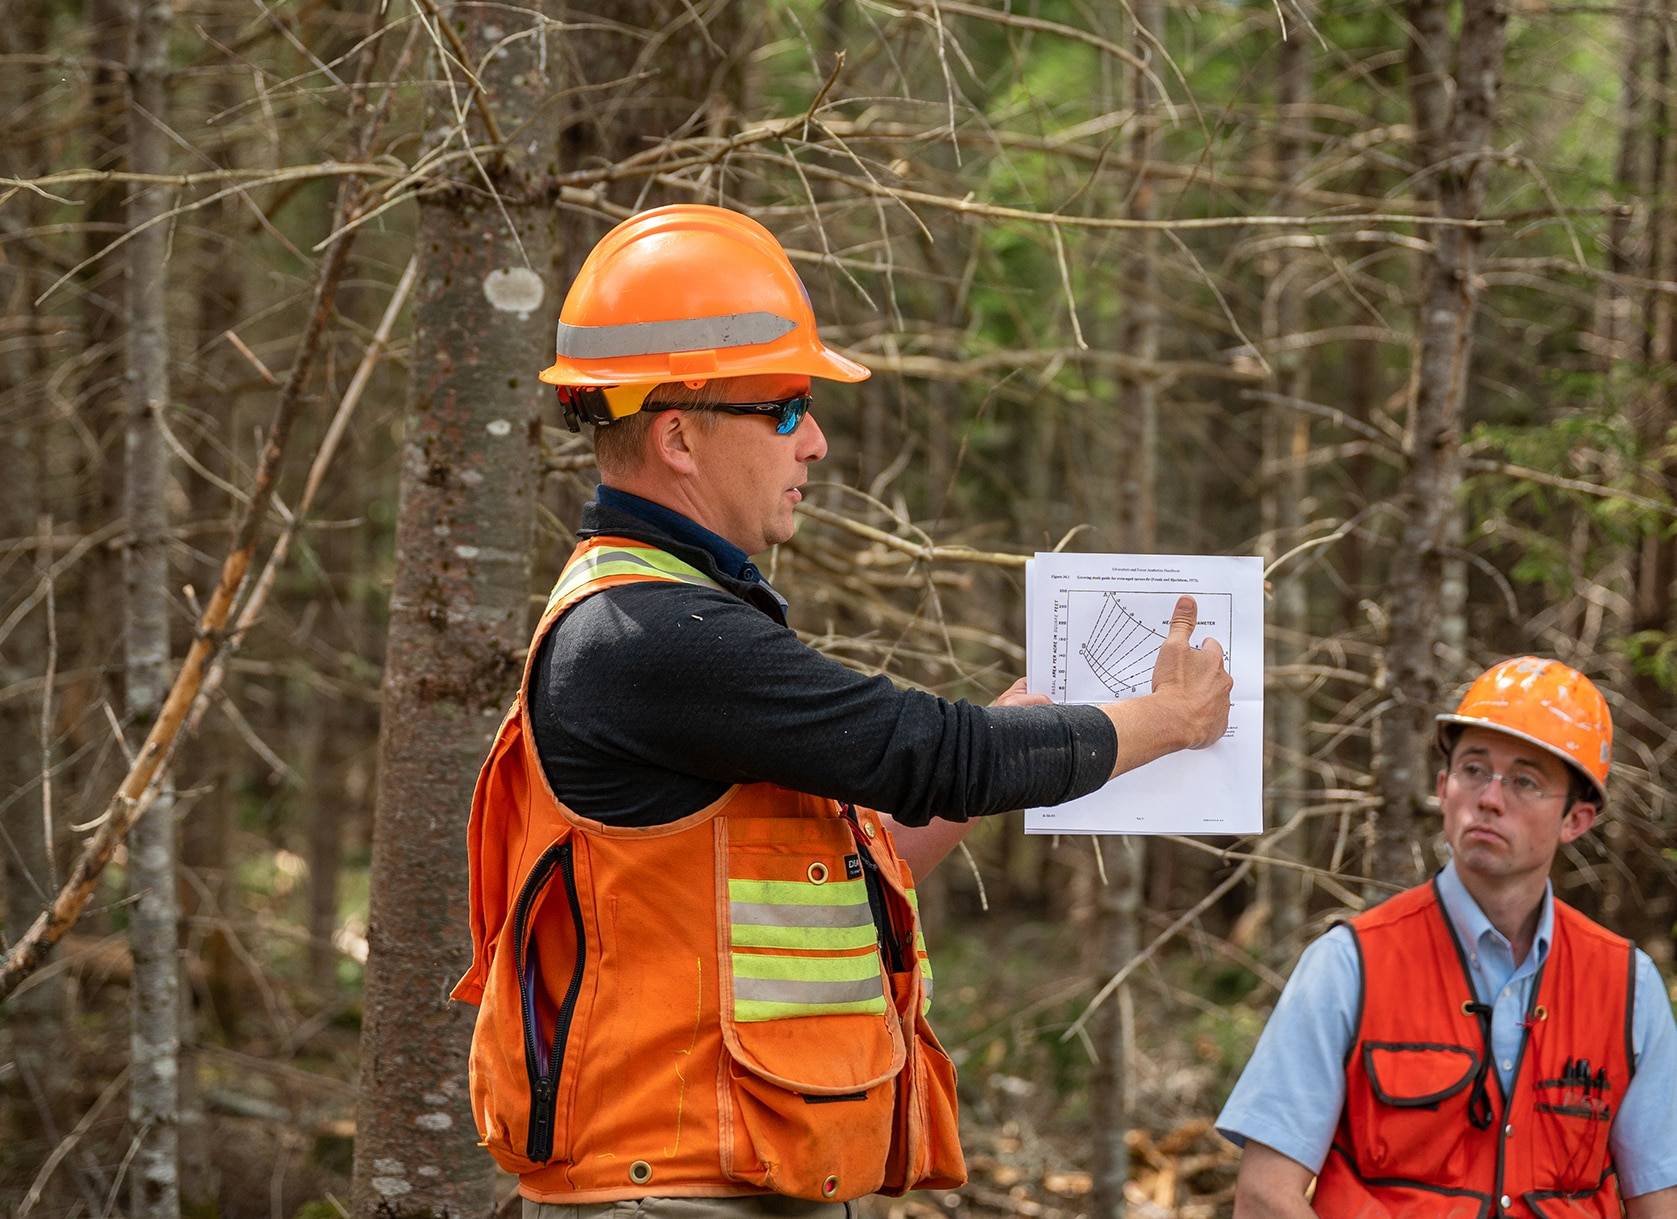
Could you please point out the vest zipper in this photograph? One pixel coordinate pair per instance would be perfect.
(876, 897)
(544, 1085)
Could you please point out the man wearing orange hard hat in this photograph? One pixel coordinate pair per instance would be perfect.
(1474, 1046)
(701, 978)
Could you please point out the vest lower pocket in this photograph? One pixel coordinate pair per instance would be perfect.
(524, 1022)
(1597, 1204)
(1342, 1194)
(827, 1148)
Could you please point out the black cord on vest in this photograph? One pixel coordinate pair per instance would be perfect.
(1479, 1110)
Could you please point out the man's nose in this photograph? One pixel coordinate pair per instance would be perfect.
(812, 441)
(1491, 795)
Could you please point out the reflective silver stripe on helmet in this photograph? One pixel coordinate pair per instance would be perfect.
(657, 338)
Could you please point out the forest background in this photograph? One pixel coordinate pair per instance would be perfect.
(1381, 292)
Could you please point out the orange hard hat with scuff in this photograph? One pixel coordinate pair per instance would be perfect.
(1545, 703)
(687, 292)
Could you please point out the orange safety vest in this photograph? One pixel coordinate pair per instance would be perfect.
(1426, 1130)
(730, 1003)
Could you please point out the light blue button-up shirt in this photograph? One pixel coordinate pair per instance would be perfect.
(1291, 1093)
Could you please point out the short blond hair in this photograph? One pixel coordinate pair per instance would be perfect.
(620, 447)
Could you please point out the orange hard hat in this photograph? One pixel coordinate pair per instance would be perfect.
(1545, 703)
(688, 292)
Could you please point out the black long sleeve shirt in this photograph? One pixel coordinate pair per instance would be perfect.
(650, 700)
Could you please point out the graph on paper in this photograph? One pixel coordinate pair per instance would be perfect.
(1111, 639)
(1094, 624)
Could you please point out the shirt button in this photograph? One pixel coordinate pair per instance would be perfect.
(748, 572)
(1506, 1065)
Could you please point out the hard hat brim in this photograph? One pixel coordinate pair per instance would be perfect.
(824, 363)
(1470, 721)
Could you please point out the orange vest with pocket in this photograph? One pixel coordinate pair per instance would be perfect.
(731, 1003)
(1426, 1130)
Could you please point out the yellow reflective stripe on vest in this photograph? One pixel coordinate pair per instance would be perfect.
(797, 914)
(831, 939)
(776, 987)
(799, 892)
(920, 951)
(610, 561)
(826, 918)
(770, 967)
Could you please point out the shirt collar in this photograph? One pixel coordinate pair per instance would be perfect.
(620, 514)
(730, 558)
(1472, 926)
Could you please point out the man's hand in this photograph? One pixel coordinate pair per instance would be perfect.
(1189, 706)
(1193, 680)
(1017, 696)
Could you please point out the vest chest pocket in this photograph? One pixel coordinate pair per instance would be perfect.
(813, 1043)
(1572, 1126)
(1416, 1117)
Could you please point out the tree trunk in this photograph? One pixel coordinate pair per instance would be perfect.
(1283, 892)
(32, 1098)
(458, 623)
(100, 391)
(154, 914)
(1651, 912)
(1453, 122)
(1118, 905)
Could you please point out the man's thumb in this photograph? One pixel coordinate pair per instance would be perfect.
(1183, 620)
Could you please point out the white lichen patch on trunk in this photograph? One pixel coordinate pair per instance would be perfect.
(513, 290)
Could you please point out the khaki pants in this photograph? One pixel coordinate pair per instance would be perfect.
(758, 1207)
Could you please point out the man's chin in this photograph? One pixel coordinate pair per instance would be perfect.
(1485, 858)
(782, 531)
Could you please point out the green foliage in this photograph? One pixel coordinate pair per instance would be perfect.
(1652, 654)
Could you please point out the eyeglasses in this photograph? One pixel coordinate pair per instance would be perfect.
(787, 413)
(1520, 788)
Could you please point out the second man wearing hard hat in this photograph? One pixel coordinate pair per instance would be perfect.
(1474, 1047)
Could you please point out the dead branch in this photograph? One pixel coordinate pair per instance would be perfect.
(139, 787)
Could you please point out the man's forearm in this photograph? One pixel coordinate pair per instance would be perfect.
(1661, 1204)
(1250, 1206)
(1147, 730)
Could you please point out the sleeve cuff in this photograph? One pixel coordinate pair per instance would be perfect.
(1094, 749)
(1295, 1147)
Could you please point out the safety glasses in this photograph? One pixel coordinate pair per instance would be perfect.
(787, 413)
(602, 406)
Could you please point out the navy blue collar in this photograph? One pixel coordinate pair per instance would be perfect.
(730, 559)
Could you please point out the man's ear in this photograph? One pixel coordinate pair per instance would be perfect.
(1578, 819)
(670, 442)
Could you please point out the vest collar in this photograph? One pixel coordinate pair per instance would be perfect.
(619, 514)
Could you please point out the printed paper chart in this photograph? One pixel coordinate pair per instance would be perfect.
(1111, 640)
(1093, 627)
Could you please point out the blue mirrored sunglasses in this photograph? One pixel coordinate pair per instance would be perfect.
(787, 413)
